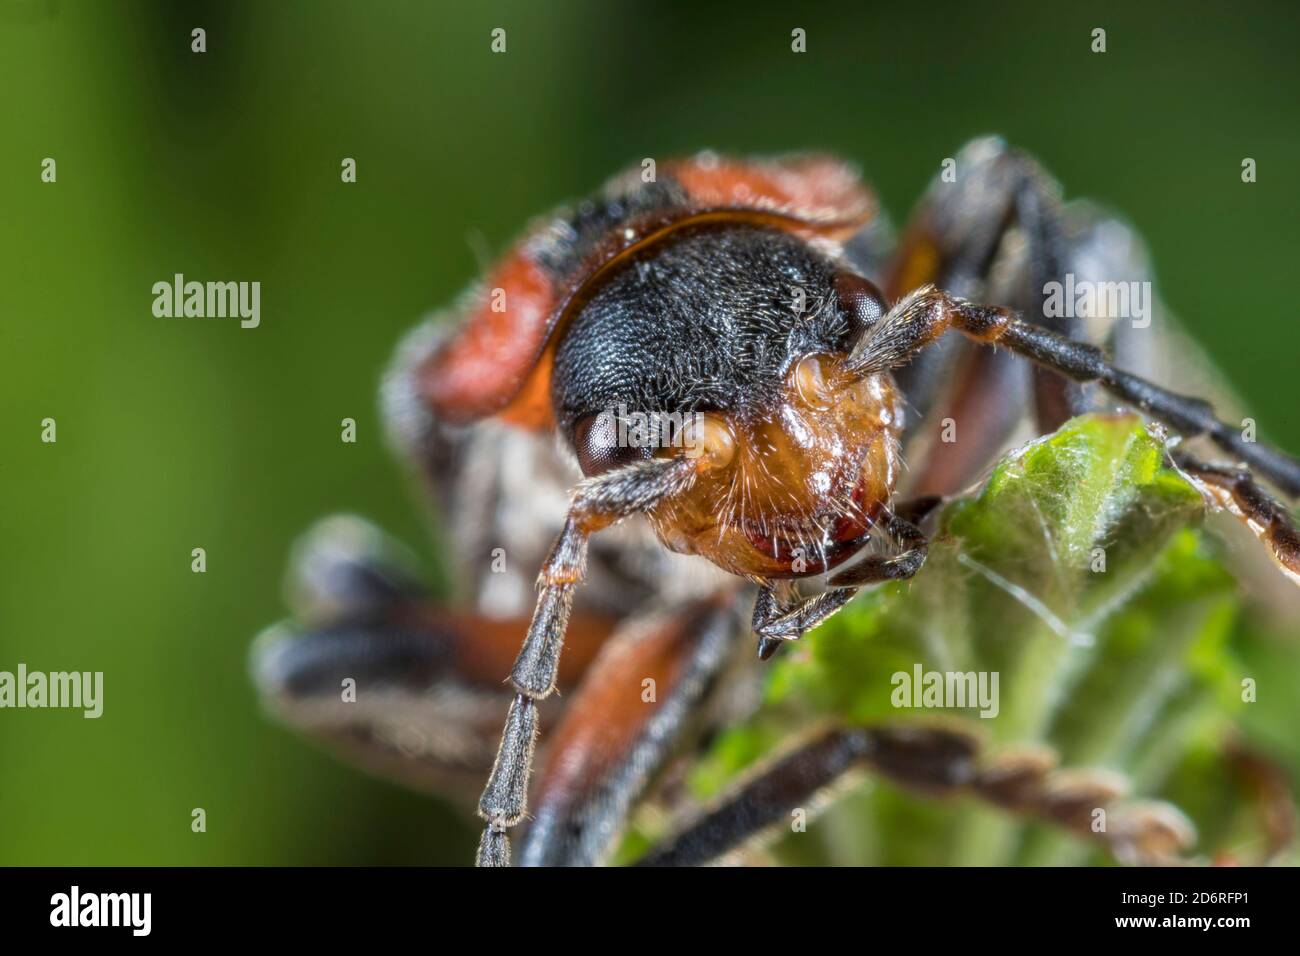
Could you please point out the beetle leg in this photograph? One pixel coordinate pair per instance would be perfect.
(939, 761)
(775, 622)
(958, 239)
(997, 232)
(927, 313)
(385, 697)
(375, 668)
(629, 714)
(875, 568)
(1236, 490)
(762, 799)
(597, 503)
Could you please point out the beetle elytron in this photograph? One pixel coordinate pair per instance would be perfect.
(766, 302)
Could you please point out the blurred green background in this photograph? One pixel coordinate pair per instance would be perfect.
(180, 433)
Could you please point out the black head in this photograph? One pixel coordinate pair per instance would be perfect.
(709, 320)
(736, 339)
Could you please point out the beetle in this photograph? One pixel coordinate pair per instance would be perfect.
(762, 310)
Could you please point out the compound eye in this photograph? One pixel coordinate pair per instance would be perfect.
(596, 441)
(861, 302)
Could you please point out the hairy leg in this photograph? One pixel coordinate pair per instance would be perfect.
(924, 315)
(597, 503)
(372, 666)
(780, 616)
(992, 231)
(941, 762)
(634, 706)
(1236, 491)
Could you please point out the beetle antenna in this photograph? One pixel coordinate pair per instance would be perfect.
(597, 503)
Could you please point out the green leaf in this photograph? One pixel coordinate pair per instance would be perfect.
(1076, 575)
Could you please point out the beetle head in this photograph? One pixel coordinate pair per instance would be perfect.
(729, 347)
(794, 492)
